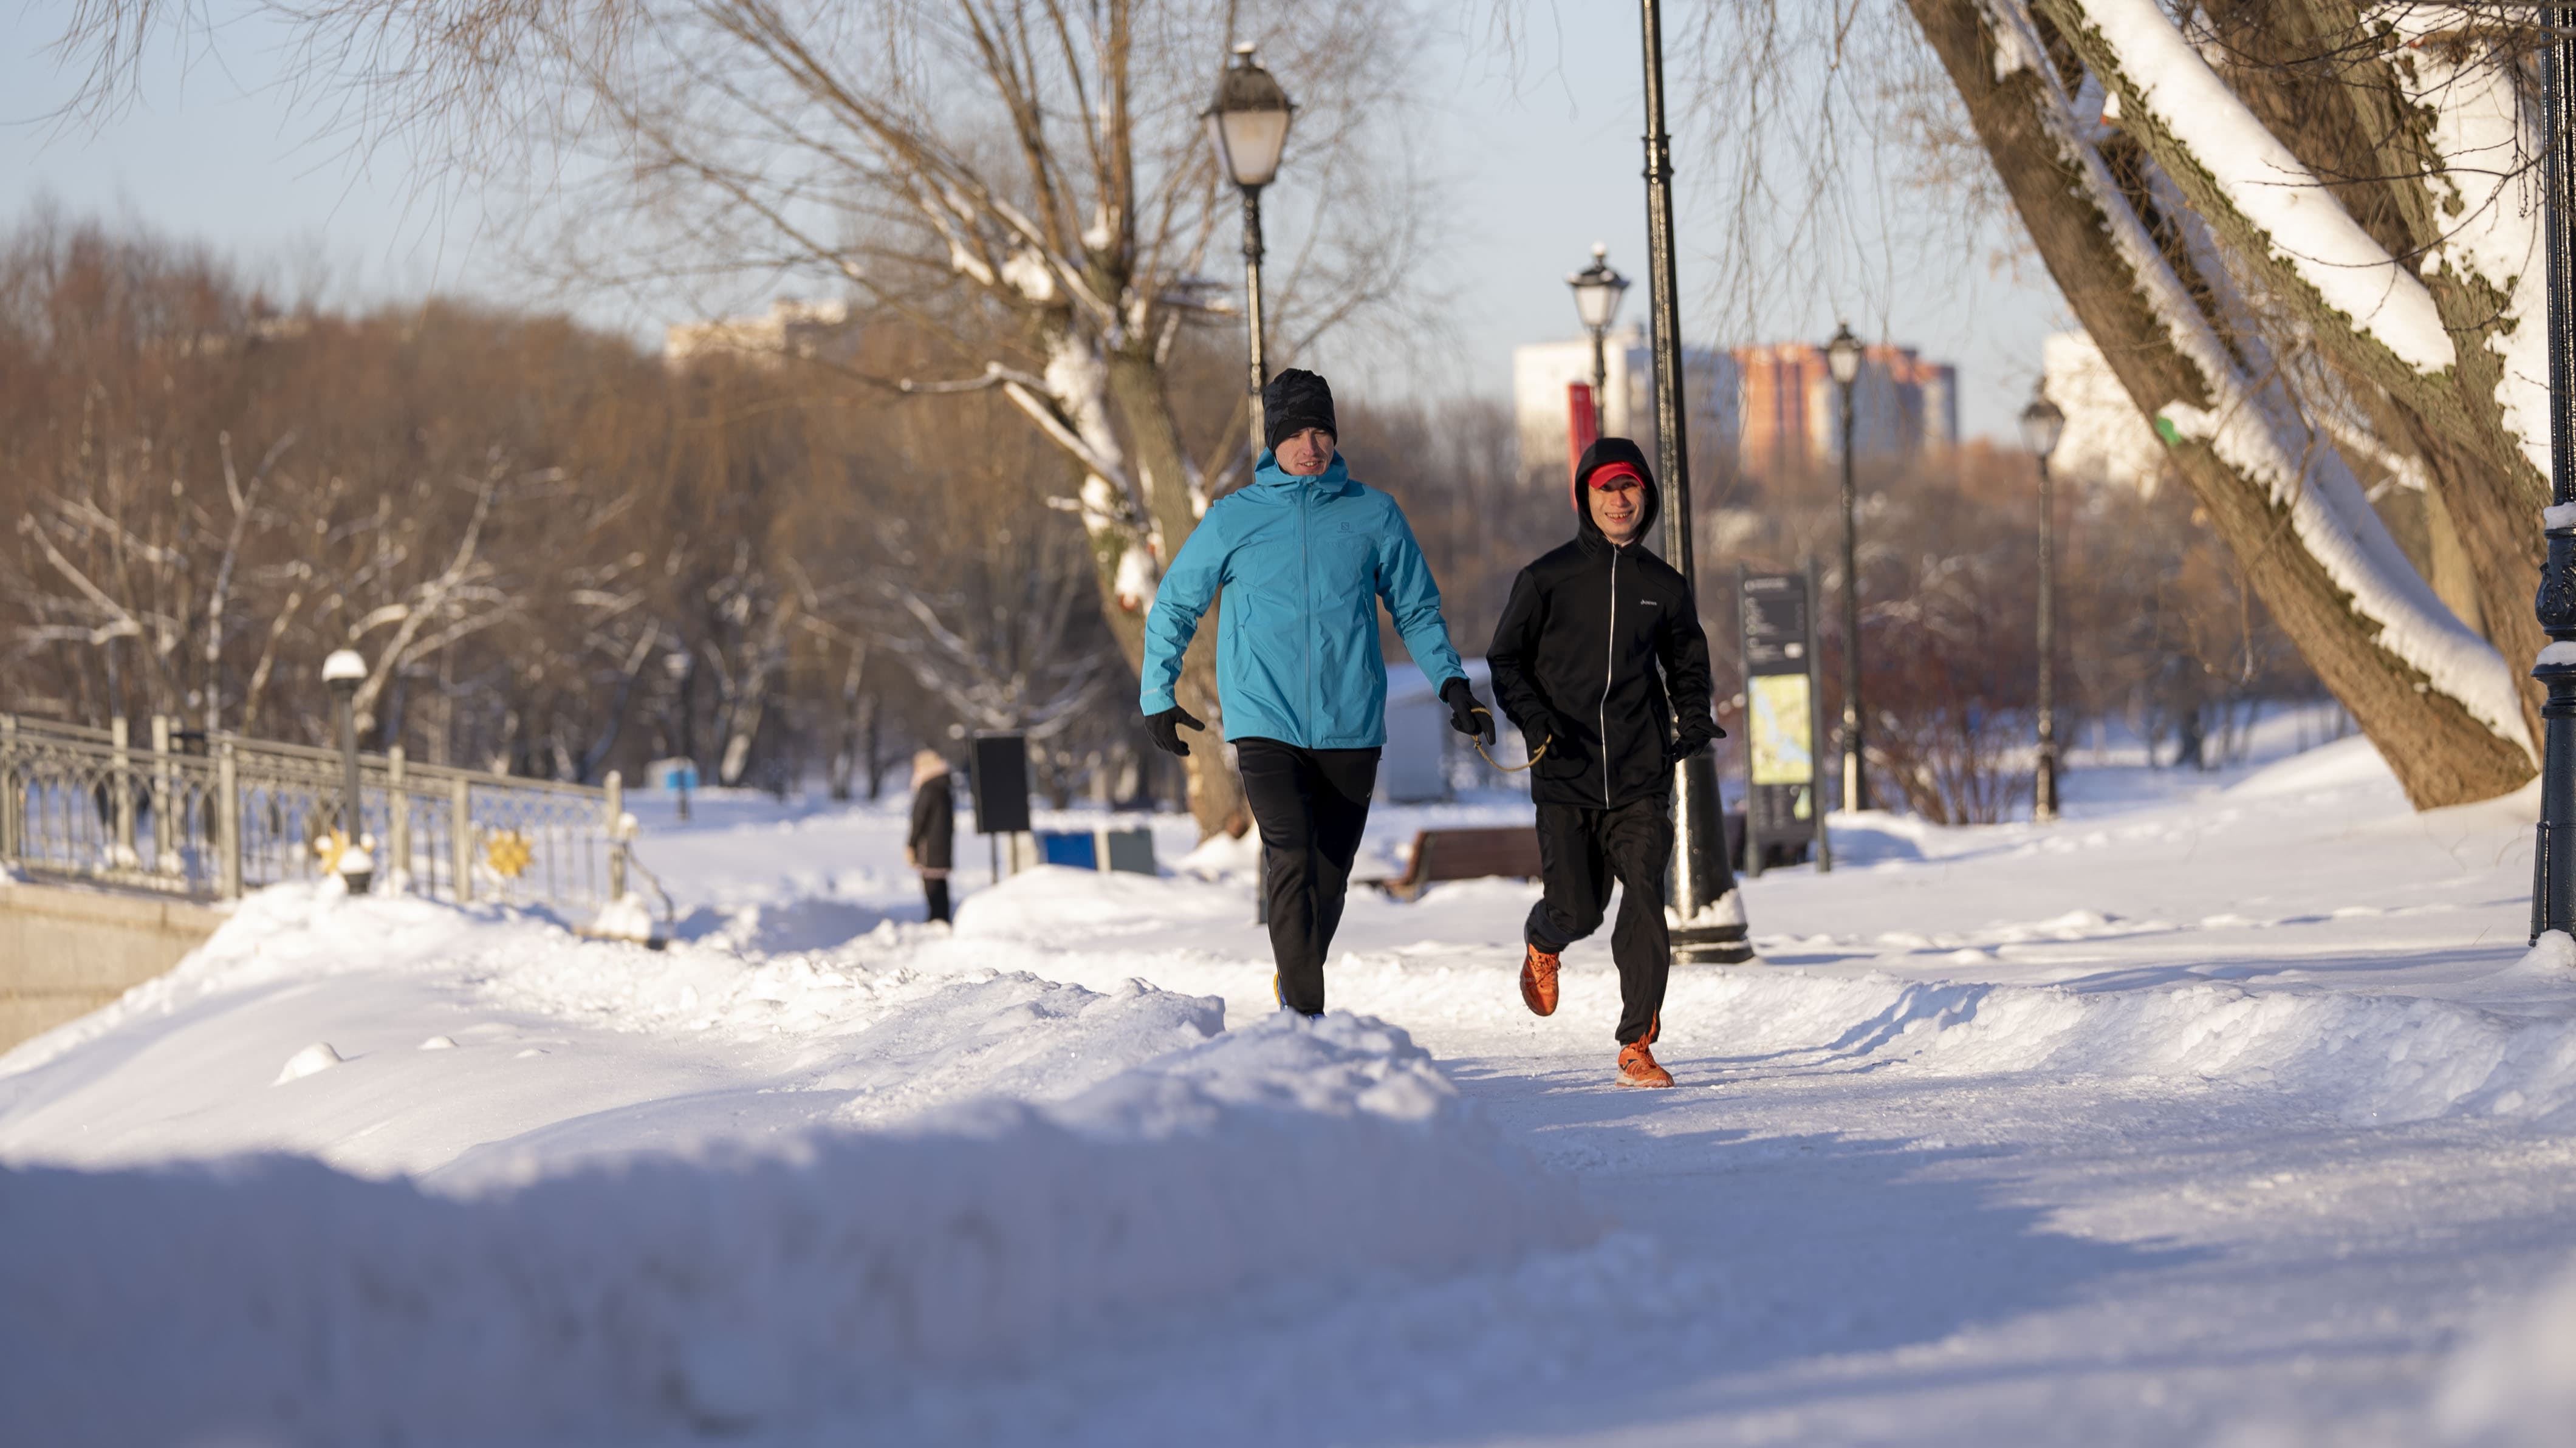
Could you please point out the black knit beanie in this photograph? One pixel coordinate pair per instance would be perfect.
(1294, 401)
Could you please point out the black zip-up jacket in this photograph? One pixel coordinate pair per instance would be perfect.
(1598, 648)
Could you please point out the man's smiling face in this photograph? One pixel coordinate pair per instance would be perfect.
(1617, 507)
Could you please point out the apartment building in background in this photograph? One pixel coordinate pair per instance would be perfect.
(1902, 407)
(791, 328)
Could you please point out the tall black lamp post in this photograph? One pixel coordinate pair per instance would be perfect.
(2041, 424)
(343, 671)
(1701, 880)
(1248, 125)
(1842, 358)
(1597, 292)
(2553, 858)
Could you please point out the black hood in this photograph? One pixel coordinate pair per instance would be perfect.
(1602, 453)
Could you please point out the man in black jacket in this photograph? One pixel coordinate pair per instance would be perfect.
(1600, 660)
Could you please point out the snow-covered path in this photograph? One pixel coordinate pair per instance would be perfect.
(2221, 1116)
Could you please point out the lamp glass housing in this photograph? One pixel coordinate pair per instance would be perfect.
(2042, 423)
(1248, 124)
(344, 666)
(1598, 290)
(1842, 355)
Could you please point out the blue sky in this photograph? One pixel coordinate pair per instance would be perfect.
(1540, 154)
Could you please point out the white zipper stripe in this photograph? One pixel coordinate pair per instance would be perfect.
(1609, 669)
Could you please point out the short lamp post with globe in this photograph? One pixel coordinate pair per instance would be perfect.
(342, 672)
(2042, 423)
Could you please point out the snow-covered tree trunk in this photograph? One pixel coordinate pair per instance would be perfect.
(2143, 275)
(1174, 501)
(2368, 184)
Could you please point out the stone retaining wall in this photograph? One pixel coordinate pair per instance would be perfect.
(66, 951)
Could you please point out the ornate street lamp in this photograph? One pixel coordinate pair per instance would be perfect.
(2041, 425)
(1842, 358)
(1597, 293)
(1248, 126)
(343, 671)
(2553, 857)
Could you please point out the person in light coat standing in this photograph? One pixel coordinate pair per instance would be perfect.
(1304, 552)
(930, 845)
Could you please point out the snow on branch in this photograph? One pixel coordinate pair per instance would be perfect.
(2486, 138)
(2166, 83)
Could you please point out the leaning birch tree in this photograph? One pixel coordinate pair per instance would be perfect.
(1026, 179)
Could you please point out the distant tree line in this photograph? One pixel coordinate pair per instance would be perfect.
(557, 554)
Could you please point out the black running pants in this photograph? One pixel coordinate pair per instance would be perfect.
(1580, 853)
(1311, 805)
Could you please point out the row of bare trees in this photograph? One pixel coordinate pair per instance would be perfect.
(557, 554)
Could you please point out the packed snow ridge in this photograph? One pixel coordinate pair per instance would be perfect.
(717, 1285)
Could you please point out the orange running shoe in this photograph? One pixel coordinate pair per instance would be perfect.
(1538, 981)
(1637, 1067)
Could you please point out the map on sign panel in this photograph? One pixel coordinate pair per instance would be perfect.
(1783, 732)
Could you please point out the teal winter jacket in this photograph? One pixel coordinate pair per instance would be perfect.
(1303, 562)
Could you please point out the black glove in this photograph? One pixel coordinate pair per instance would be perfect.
(1166, 729)
(1544, 731)
(1695, 735)
(1466, 715)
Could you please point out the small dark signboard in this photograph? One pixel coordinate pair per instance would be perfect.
(1001, 780)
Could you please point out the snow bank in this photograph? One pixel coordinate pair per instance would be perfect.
(2367, 1058)
(2551, 959)
(2352, 763)
(738, 1288)
(2515, 1383)
(1051, 901)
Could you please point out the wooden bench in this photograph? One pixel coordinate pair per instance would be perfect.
(1510, 851)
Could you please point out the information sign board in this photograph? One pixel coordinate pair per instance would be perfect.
(1778, 641)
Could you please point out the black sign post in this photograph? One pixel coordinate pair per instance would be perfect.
(1783, 728)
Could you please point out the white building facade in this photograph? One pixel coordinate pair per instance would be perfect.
(1543, 371)
(2106, 442)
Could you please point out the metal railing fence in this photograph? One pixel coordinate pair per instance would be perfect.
(208, 818)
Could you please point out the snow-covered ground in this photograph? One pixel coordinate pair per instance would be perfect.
(2229, 1110)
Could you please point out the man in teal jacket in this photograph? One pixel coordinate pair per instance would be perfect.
(1304, 553)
